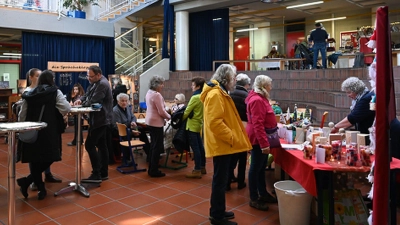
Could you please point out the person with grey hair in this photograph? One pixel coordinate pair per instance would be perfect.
(122, 113)
(238, 96)
(261, 116)
(224, 135)
(179, 101)
(156, 116)
(360, 115)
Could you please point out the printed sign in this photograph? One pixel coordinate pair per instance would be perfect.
(69, 66)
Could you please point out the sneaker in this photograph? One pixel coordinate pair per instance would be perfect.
(194, 174)
(259, 205)
(268, 199)
(92, 179)
(203, 170)
(104, 177)
(221, 222)
(33, 187)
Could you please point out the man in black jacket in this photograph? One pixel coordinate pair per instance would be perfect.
(319, 37)
(99, 91)
(238, 96)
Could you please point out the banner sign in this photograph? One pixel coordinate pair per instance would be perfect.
(70, 66)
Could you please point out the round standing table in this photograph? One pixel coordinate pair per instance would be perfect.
(12, 129)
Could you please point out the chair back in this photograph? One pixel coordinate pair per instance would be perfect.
(121, 130)
(140, 115)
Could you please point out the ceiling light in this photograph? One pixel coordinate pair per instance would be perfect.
(217, 19)
(153, 39)
(270, 1)
(236, 39)
(303, 5)
(330, 19)
(7, 53)
(248, 29)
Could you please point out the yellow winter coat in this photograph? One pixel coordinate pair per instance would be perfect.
(224, 132)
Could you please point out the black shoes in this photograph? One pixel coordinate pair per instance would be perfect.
(51, 179)
(260, 205)
(92, 179)
(24, 184)
(268, 199)
(241, 185)
(157, 174)
(229, 215)
(221, 222)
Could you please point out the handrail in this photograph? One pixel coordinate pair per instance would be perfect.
(129, 59)
(280, 60)
(111, 10)
(134, 28)
(152, 56)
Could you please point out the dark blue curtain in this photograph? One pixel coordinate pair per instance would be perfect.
(169, 26)
(209, 38)
(39, 48)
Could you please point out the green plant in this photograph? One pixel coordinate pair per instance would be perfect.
(77, 5)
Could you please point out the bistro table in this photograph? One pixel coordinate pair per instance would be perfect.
(12, 129)
(316, 177)
(77, 186)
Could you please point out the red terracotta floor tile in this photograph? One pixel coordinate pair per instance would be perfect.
(185, 217)
(159, 209)
(79, 218)
(110, 209)
(185, 200)
(162, 192)
(132, 217)
(60, 210)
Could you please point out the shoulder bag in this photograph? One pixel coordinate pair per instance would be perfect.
(273, 137)
(31, 135)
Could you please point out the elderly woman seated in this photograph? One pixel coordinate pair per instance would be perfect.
(122, 113)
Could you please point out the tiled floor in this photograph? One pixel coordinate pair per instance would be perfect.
(127, 198)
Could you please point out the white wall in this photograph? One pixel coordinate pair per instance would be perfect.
(13, 70)
(160, 69)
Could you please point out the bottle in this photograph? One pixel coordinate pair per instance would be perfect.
(295, 112)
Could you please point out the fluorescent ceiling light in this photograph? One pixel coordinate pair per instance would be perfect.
(7, 53)
(10, 56)
(330, 19)
(153, 39)
(306, 4)
(217, 19)
(248, 29)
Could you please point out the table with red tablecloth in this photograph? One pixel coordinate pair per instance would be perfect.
(316, 177)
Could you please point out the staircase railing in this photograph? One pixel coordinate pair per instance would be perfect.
(140, 66)
(136, 56)
(112, 6)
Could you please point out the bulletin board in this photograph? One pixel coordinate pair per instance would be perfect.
(347, 37)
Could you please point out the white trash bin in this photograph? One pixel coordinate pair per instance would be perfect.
(294, 203)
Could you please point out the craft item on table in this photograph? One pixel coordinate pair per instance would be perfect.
(323, 119)
(352, 155)
(307, 113)
(325, 131)
(289, 134)
(331, 125)
(337, 149)
(320, 155)
(362, 139)
(351, 136)
(308, 133)
(364, 155)
(335, 137)
(321, 140)
(308, 152)
(314, 136)
(328, 151)
(295, 112)
(300, 135)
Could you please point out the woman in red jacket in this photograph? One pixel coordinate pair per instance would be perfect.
(260, 115)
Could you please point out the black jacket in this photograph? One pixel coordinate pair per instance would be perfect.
(238, 96)
(47, 148)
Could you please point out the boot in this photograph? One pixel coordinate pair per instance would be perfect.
(42, 191)
(194, 174)
(203, 170)
(24, 183)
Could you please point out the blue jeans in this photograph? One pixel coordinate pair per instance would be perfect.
(257, 185)
(319, 47)
(220, 179)
(198, 150)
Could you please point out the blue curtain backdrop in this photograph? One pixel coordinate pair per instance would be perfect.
(169, 26)
(209, 38)
(39, 48)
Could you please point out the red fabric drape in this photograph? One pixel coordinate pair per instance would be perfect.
(385, 112)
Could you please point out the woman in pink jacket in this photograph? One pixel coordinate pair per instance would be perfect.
(260, 115)
(155, 120)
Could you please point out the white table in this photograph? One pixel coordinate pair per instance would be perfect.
(266, 65)
(77, 186)
(11, 129)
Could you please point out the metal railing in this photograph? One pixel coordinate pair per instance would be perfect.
(41, 6)
(144, 65)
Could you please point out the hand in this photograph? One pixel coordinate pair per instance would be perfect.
(265, 150)
(135, 132)
(78, 102)
(133, 125)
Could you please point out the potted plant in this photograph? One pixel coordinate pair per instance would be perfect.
(76, 7)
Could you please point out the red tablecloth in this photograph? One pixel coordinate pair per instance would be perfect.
(302, 170)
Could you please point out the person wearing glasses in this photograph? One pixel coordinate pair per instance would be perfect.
(179, 102)
(99, 91)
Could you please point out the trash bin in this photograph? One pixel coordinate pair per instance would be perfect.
(294, 203)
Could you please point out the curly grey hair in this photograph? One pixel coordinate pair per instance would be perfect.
(242, 79)
(224, 74)
(156, 81)
(354, 85)
(121, 96)
(259, 85)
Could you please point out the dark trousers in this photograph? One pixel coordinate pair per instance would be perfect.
(198, 150)
(143, 137)
(239, 159)
(76, 130)
(98, 157)
(156, 147)
(37, 168)
(220, 179)
(257, 185)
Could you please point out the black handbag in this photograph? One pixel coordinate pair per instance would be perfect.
(273, 137)
(31, 135)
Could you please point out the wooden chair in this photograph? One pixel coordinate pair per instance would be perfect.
(125, 134)
(140, 115)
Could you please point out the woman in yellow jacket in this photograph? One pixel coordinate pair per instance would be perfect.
(224, 135)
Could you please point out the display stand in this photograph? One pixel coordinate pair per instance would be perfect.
(77, 186)
(11, 129)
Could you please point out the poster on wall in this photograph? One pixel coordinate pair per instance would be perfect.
(348, 38)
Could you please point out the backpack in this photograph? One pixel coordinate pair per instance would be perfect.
(177, 117)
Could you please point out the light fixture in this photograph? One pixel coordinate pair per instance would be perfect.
(153, 39)
(303, 5)
(9, 53)
(330, 19)
(217, 19)
(247, 29)
(236, 39)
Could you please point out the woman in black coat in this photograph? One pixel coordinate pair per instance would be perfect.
(47, 148)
